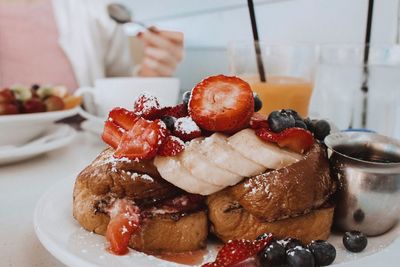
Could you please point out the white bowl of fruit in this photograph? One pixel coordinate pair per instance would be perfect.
(26, 112)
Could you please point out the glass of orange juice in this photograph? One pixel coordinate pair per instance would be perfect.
(289, 73)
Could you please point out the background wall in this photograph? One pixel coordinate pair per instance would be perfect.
(209, 26)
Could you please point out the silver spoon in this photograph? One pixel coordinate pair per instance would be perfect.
(121, 14)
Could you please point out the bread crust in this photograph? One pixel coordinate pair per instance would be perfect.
(229, 220)
(293, 190)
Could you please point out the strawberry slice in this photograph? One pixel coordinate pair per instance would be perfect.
(186, 129)
(236, 251)
(147, 106)
(221, 103)
(123, 118)
(112, 134)
(171, 146)
(258, 121)
(142, 140)
(295, 139)
(124, 221)
(177, 111)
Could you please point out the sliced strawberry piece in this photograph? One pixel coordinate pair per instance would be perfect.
(124, 221)
(147, 106)
(295, 139)
(142, 140)
(221, 103)
(123, 118)
(236, 251)
(112, 134)
(258, 121)
(171, 146)
(186, 129)
(177, 111)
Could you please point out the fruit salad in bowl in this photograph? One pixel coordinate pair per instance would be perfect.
(31, 110)
(210, 165)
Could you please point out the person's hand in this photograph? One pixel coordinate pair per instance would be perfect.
(163, 51)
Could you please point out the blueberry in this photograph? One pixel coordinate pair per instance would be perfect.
(291, 243)
(355, 241)
(273, 255)
(279, 121)
(186, 97)
(322, 129)
(324, 252)
(300, 257)
(310, 124)
(300, 124)
(292, 113)
(257, 102)
(169, 122)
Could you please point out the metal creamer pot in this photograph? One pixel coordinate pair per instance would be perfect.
(367, 168)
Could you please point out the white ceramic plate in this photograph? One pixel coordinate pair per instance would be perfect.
(21, 128)
(63, 237)
(55, 136)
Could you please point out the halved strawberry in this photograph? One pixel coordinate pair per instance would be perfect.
(142, 140)
(124, 221)
(171, 146)
(295, 139)
(112, 134)
(221, 103)
(258, 121)
(147, 106)
(236, 251)
(186, 129)
(123, 118)
(177, 111)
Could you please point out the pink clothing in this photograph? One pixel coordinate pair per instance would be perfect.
(29, 48)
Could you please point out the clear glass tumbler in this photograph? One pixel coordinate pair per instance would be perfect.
(289, 73)
(355, 93)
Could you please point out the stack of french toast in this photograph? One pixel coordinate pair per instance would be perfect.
(210, 165)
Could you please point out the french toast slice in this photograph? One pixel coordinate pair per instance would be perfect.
(288, 202)
(286, 192)
(229, 220)
(161, 232)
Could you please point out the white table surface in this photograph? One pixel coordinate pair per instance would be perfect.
(22, 184)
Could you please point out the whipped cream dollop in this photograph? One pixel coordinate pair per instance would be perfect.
(210, 164)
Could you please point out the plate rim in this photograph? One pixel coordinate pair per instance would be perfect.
(48, 115)
(25, 152)
(69, 258)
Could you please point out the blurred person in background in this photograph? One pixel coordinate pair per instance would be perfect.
(75, 42)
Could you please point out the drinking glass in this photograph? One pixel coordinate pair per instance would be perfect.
(342, 73)
(289, 73)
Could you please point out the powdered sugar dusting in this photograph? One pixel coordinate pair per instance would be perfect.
(147, 103)
(186, 125)
(178, 140)
(145, 177)
(114, 161)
